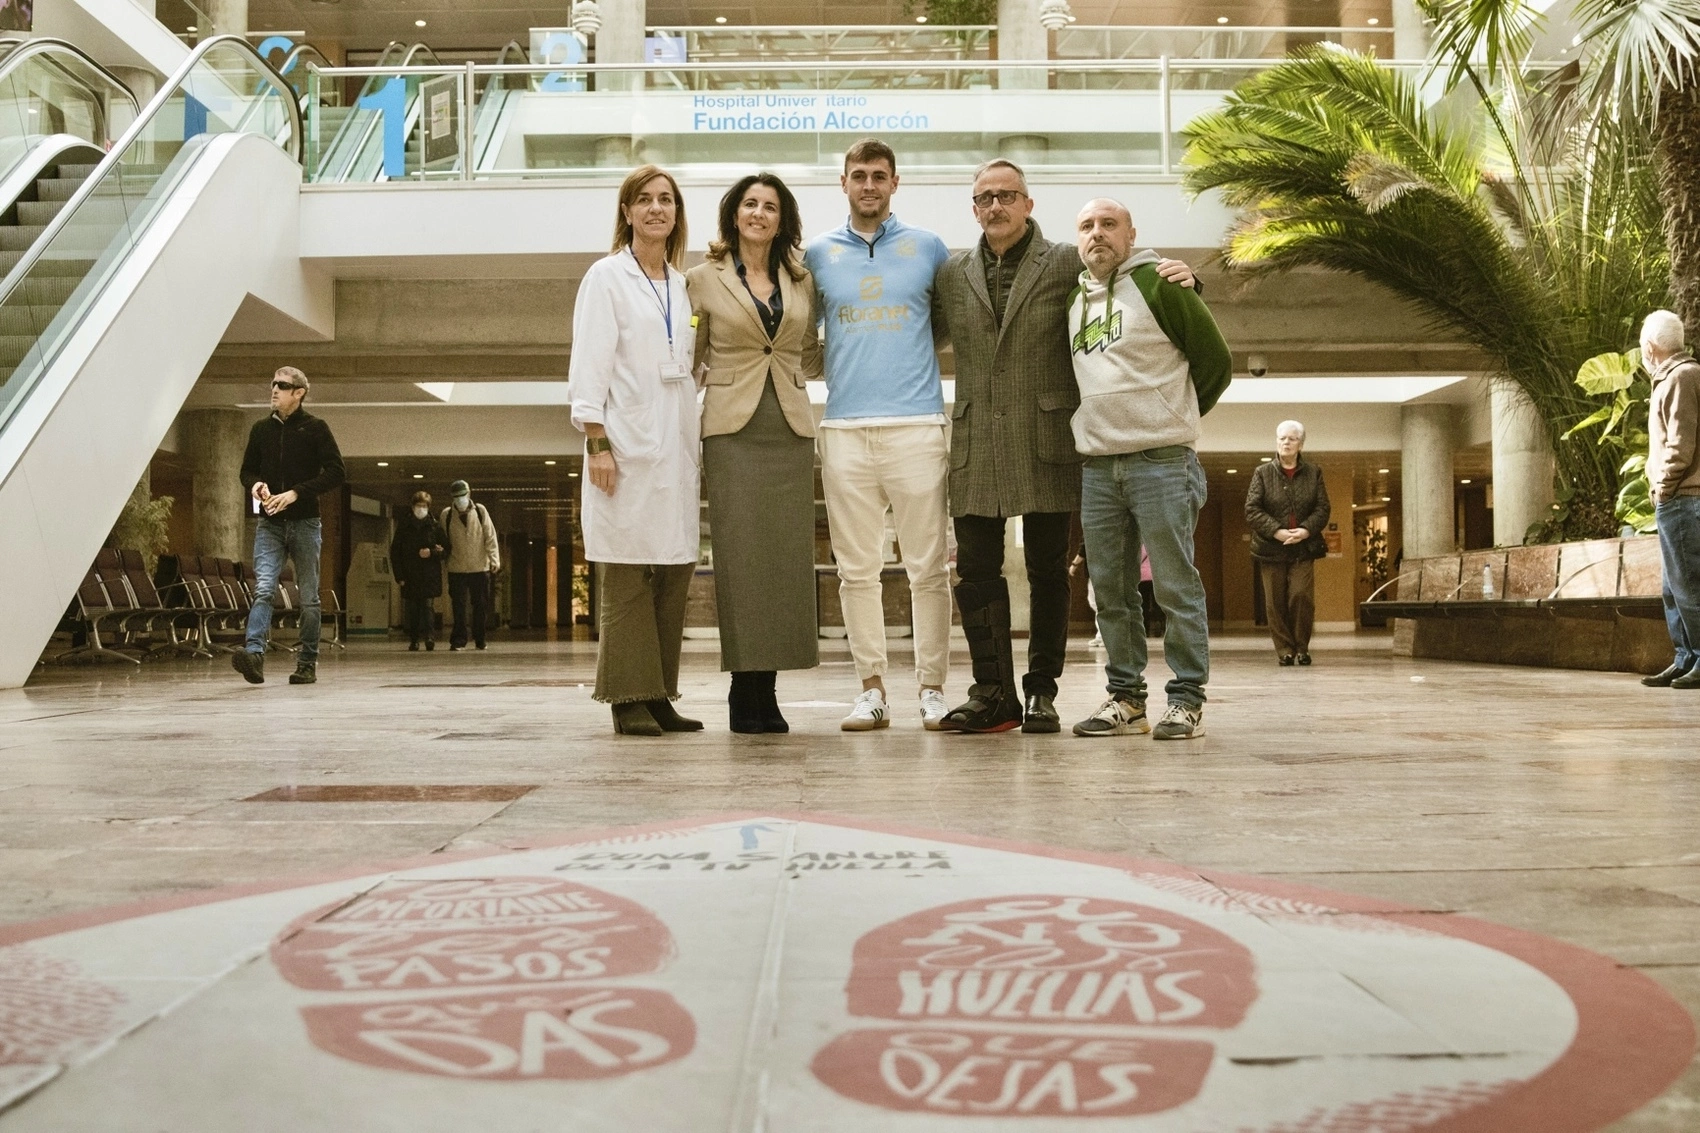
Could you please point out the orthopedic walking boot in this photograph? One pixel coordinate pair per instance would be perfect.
(994, 704)
(744, 705)
(669, 719)
(633, 719)
(767, 685)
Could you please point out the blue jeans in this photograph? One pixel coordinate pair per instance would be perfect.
(299, 539)
(1679, 546)
(1153, 498)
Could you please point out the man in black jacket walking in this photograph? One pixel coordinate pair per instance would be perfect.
(291, 461)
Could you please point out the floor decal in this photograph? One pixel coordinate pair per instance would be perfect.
(798, 974)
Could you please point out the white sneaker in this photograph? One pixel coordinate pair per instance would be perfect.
(1117, 717)
(867, 713)
(1180, 722)
(1095, 643)
(933, 709)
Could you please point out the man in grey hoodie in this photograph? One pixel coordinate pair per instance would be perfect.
(1150, 362)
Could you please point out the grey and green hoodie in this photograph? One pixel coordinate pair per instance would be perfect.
(1148, 358)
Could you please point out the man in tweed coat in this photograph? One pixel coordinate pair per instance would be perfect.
(1004, 306)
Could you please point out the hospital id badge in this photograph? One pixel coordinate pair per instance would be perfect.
(675, 372)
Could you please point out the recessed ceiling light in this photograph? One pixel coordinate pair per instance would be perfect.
(192, 27)
(1373, 21)
(1463, 481)
(383, 464)
(419, 475)
(549, 462)
(1384, 471)
(720, 19)
(1221, 19)
(1386, 499)
(418, 23)
(1233, 472)
(1266, 460)
(572, 475)
(920, 19)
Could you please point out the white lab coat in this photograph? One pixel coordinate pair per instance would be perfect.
(654, 425)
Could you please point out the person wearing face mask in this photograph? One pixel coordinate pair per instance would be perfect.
(416, 560)
(756, 340)
(474, 556)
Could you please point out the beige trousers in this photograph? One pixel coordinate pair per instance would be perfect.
(902, 469)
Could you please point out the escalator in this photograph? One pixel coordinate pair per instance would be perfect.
(122, 272)
(348, 143)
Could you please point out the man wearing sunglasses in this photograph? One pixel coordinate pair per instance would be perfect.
(1004, 305)
(291, 461)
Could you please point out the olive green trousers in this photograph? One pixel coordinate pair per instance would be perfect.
(641, 617)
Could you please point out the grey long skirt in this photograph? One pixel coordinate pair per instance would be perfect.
(761, 515)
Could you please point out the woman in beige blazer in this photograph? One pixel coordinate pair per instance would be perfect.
(753, 303)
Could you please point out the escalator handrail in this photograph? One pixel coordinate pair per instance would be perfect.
(367, 128)
(48, 45)
(20, 271)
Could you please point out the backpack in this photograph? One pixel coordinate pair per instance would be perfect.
(447, 520)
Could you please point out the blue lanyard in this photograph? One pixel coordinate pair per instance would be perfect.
(667, 309)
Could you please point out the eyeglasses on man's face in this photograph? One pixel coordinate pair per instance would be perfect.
(1004, 197)
(283, 385)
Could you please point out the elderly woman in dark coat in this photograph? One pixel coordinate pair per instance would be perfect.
(1287, 508)
(416, 560)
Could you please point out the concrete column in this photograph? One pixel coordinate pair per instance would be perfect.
(1021, 36)
(1425, 480)
(619, 40)
(144, 84)
(1522, 465)
(229, 17)
(1410, 33)
(213, 440)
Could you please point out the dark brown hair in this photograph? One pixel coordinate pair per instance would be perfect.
(787, 241)
(629, 189)
(870, 149)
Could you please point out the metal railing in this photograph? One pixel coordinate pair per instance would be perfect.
(1112, 117)
(224, 86)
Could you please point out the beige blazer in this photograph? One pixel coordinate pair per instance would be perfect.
(733, 344)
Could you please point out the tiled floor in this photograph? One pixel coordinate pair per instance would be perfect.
(1565, 804)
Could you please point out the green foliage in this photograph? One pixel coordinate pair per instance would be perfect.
(1622, 430)
(143, 525)
(1508, 217)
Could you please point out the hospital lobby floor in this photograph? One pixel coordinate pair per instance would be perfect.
(435, 891)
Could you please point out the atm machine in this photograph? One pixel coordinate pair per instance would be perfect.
(371, 591)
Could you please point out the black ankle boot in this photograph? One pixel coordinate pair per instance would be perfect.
(772, 720)
(744, 706)
(669, 718)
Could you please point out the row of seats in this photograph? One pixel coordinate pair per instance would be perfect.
(184, 608)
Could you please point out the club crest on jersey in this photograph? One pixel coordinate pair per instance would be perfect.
(1097, 334)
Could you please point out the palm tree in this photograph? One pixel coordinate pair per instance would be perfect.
(1640, 61)
(1517, 223)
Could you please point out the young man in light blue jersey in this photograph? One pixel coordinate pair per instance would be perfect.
(883, 442)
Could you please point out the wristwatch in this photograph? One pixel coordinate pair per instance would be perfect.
(594, 445)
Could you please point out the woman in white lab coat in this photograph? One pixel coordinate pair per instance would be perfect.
(634, 398)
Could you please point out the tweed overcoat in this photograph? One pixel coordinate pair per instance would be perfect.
(1011, 447)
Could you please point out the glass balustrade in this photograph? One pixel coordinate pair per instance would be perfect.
(1121, 116)
(50, 88)
(222, 88)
